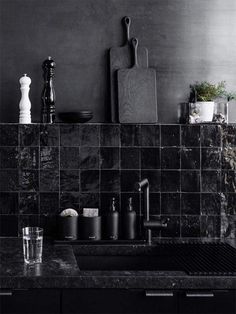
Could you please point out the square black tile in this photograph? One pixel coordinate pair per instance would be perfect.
(28, 203)
(136, 202)
(150, 158)
(228, 181)
(230, 204)
(130, 158)
(29, 134)
(229, 158)
(110, 157)
(49, 135)
(8, 203)
(170, 203)
(128, 180)
(150, 135)
(8, 135)
(190, 181)
(229, 135)
(130, 135)
(228, 227)
(173, 227)
(170, 158)
(154, 178)
(8, 226)
(89, 135)
(110, 181)
(29, 158)
(190, 158)
(211, 204)
(170, 181)
(9, 180)
(49, 158)
(70, 200)
(69, 180)
(90, 181)
(190, 203)
(190, 135)
(69, 157)
(49, 203)
(211, 181)
(106, 200)
(8, 157)
(154, 199)
(89, 157)
(49, 180)
(190, 226)
(170, 135)
(110, 135)
(27, 221)
(89, 200)
(29, 180)
(210, 226)
(69, 135)
(211, 158)
(211, 135)
(49, 225)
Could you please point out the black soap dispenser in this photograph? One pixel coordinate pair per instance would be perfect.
(129, 222)
(112, 222)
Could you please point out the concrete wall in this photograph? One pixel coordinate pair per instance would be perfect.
(188, 40)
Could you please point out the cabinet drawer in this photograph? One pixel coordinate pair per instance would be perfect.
(118, 301)
(36, 301)
(208, 302)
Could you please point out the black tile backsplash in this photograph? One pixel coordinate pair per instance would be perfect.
(191, 169)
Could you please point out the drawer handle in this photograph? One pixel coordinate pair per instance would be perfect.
(6, 293)
(153, 293)
(199, 294)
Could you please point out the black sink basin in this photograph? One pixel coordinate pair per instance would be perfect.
(125, 262)
(196, 258)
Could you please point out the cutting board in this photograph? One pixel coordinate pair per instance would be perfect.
(137, 98)
(119, 58)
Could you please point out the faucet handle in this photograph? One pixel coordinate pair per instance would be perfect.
(156, 224)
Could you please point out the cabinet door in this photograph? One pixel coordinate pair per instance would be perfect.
(208, 302)
(36, 301)
(117, 301)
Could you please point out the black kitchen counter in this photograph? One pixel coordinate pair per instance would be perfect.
(59, 270)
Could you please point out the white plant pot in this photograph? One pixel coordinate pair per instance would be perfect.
(206, 110)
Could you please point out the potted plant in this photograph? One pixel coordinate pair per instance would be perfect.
(202, 96)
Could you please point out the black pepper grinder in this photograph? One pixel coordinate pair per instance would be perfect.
(48, 93)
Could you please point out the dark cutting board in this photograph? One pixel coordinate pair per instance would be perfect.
(137, 93)
(121, 58)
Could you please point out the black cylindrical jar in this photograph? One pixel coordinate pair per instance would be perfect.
(68, 227)
(90, 228)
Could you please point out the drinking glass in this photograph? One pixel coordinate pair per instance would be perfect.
(32, 244)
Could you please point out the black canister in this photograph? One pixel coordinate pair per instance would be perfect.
(90, 228)
(68, 227)
(111, 222)
(129, 222)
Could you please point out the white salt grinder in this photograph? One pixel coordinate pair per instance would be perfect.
(25, 104)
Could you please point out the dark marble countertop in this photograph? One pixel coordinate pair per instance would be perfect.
(59, 269)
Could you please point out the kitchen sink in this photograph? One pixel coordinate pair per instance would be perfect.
(127, 263)
(196, 258)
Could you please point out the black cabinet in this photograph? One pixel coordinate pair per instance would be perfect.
(207, 302)
(33, 301)
(114, 301)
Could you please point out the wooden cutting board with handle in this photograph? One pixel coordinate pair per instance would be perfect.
(121, 58)
(137, 92)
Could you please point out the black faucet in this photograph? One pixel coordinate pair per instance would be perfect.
(147, 223)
